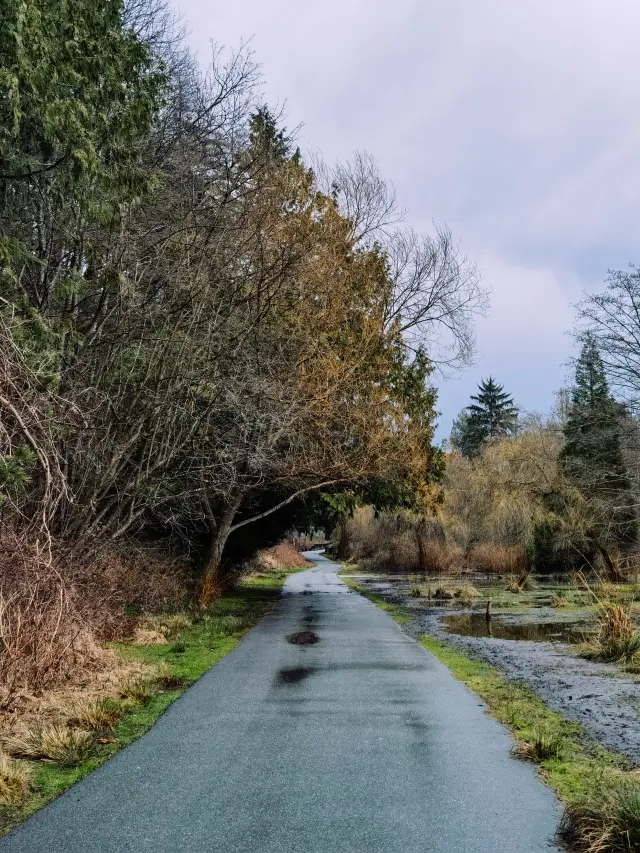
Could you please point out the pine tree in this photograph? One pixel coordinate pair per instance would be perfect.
(592, 457)
(491, 416)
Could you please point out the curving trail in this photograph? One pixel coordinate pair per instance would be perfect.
(359, 743)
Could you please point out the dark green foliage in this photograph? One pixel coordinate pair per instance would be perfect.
(14, 470)
(78, 91)
(493, 415)
(592, 457)
(266, 138)
(549, 553)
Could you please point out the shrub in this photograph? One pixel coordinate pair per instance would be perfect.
(54, 612)
(415, 592)
(500, 559)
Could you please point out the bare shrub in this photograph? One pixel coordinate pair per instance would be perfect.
(41, 637)
(55, 610)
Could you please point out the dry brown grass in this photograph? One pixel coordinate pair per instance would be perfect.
(618, 639)
(168, 624)
(15, 778)
(282, 556)
(61, 744)
(144, 637)
(501, 559)
(96, 716)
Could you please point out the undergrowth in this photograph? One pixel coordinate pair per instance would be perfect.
(45, 760)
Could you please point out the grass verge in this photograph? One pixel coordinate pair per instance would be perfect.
(178, 664)
(600, 789)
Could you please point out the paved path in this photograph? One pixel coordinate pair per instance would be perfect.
(362, 743)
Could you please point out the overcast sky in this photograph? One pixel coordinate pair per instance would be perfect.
(515, 122)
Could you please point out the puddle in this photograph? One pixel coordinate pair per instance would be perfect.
(293, 676)
(303, 638)
(476, 625)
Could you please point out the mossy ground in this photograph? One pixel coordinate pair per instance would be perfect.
(187, 658)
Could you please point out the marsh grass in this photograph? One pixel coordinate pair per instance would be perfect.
(617, 639)
(543, 742)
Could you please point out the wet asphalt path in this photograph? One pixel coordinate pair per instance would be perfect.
(362, 743)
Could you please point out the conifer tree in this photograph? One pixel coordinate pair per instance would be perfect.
(492, 415)
(592, 457)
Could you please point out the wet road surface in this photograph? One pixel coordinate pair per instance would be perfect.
(357, 742)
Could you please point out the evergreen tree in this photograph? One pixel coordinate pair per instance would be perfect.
(492, 415)
(267, 139)
(592, 457)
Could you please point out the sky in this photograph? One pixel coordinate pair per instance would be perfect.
(514, 122)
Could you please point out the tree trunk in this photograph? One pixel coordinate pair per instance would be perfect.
(210, 581)
(422, 553)
(344, 543)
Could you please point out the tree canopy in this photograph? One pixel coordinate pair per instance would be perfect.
(196, 328)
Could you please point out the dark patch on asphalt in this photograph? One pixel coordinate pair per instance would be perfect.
(307, 592)
(380, 667)
(307, 618)
(303, 638)
(294, 675)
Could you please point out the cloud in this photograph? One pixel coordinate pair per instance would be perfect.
(517, 124)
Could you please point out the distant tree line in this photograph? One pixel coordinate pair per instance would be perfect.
(583, 501)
